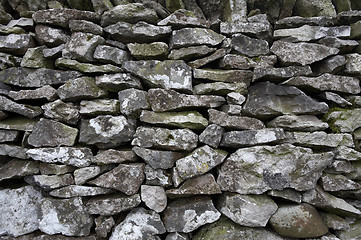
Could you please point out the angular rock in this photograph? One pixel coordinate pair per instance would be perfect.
(110, 156)
(82, 175)
(298, 221)
(162, 73)
(250, 47)
(65, 216)
(154, 197)
(334, 222)
(148, 51)
(348, 154)
(322, 139)
(28, 111)
(106, 131)
(235, 61)
(330, 65)
(314, 8)
(190, 53)
(351, 233)
(247, 210)
(99, 107)
(162, 100)
(125, 178)
(344, 120)
(179, 20)
(49, 133)
(7, 61)
(78, 157)
(78, 191)
(85, 26)
(176, 236)
(220, 88)
(304, 123)
(13, 151)
(301, 53)
(11, 30)
(18, 168)
(187, 37)
(80, 88)
(16, 44)
(133, 101)
(265, 101)
(162, 138)
(46, 92)
(50, 182)
(86, 67)
(55, 169)
(34, 58)
(9, 135)
(112, 55)
(287, 194)
(340, 166)
(337, 182)
(103, 225)
(279, 74)
(335, 99)
(117, 82)
(157, 177)
(353, 65)
(343, 45)
(212, 135)
(112, 204)
(60, 111)
(139, 224)
(234, 122)
(231, 76)
(219, 53)
(49, 36)
(200, 161)
(186, 215)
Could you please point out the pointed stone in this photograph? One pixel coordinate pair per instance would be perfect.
(63, 112)
(132, 102)
(330, 65)
(287, 194)
(103, 225)
(234, 122)
(117, 82)
(83, 175)
(18, 168)
(109, 54)
(304, 123)
(190, 53)
(158, 159)
(179, 20)
(187, 37)
(335, 99)
(154, 197)
(334, 221)
(348, 154)
(345, 46)
(78, 191)
(212, 135)
(157, 177)
(219, 53)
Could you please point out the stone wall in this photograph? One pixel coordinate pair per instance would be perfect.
(180, 120)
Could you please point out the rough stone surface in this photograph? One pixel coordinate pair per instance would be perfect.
(333, 65)
(187, 37)
(17, 168)
(133, 101)
(85, 26)
(109, 54)
(279, 74)
(65, 63)
(34, 58)
(344, 120)
(250, 47)
(50, 182)
(157, 177)
(322, 139)
(110, 156)
(231, 76)
(117, 82)
(190, 53)
(158, 159)
(212, 135)
(146, 51)
(336, 182)
(103, 225)
(46, 92)
(234, 122)
(343, 45)
(80, 88)
(61, 111)
(7, 104)
(154, 197)
(99, 107)
(16, 44)
(13, 151)
(50, 36)
(235, 61)
(307, 123)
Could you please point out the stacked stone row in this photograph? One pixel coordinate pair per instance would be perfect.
(132, 122)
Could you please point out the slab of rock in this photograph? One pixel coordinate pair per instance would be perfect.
(212, 135)
(117, 82)
(109, 54)
(265, 101)
(162, 73)
(231, 76)
(343, 45)
(345, 153)
(314, 8)
(103, 225)
(187, 37)
(322, 139)
(82, 175)
(234, 122)
(148, 51)
(78, 191)
(132, 102)
(65, 63)
(8, 60)
(304, 123)
(46, 92)
(287, 194)
(26, 77)
(112, 204)
(50, 36)
(13, 151)
(110, 156)
(333, 65)
(65, 216)
(298, 221)
(17, 168)
(157, 177)
(353, 65)
(163, 138)
(55, 169)
(301, 53)
(344, 120)
(279, 74)
(154, 197)
(60, 111)
(16, 44)
(219, 53)
(99, 107)
(298, 21)
(34, 58)
(181, 19)
(250, 47)
(50, 182)
(338, 182)
(125, 178)
(220, 88)
(139, 224)
(78, 157)
(200, 161)
(256, 170)
(351, 233)
(7, 104)
(335, 99)
(190, 53)
(186, 215)
(162, 100)
(23, 208)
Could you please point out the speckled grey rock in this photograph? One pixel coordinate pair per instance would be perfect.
(50, 36)
(133, 101)
(65, 63)
(344, 120)
(190, 53)
(235, 61)
(83, 175)
(13, 151)
(85, 26)
(314, 8)
(220, 88)
(46, 92)
(34, 58)
(307, 123)
(7, 104)
(298, 21)
(55, 169)
(157, 158)
(17, 168)
(108, 54)
(50, 182)
(154, 197)
(342, 44)
(61, 111)
(148, 51)
(337, 182)
(80, 88)
(157, 177)
(287, 194)
(234, 122)
(99, 107)
(345, 153)
(322, 139)
(217, 75)
(335, 99)
(251, 47)
(117, 82)
(212, 135)
(278, 74)
(333, 64)
(110, 156)
(103, 225)
(182, 19)
(187, 37)
(16, 44)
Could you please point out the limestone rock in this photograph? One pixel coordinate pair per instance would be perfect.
(279, 74)
(133, 101)
(34, 58)
(110, 156)
(353, 65)
(212, 135)
(50, 36)
(154, 197)
(338, 182)
(181, 19)
(330, 65)
(342, 44)
(8, 60)
(344, 120)
(99, 107)
(80, 88)
(117, 82)
(103, 225)
(250, 47)
(220, 88)
(60, 111)
(16, 44)
(13, 151)
(345, 153)
(314, 8)
(46, 92)
(9, 135)
(156, 158)
(235, 61)
(234, 122)
(157, 177)
(85, 26)
(28, 111)
(219, 53)
(287, 194)
(230, 76)
(306, 123)
(65, 63)
(321, 139)
(55, 169)
(351, 233)
(335, 99)
(190, 53)
(187, 37)
(148, 51)
(50, 182)
(82, 175)
(109, 54)
(255, 169)
(18, 168)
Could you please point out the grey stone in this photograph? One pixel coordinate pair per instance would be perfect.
(266, 171)
(34, 58)
(51, 182)
(351, 233)
(125, 178)
(162, 74)
(235, 11)
(133, 101)
(186, 215)
(23, 208)
(187, 37)
(212, 135)
(78, 157)
(211, 9)
(17, 168)
(108, 54)
(157, 177)
(307, 123)
(28, 111)
(65, 216)
(13, 151)
(334, 221)
(265, 101)
(154, 197)
(340, 166)
(46, 92)
(49, 133)
(148, 51)
(8, 60)
(60, 111)
(65, 63)
(163, 138)
(287, 194)
(180, 19)
(346, 153)
(117, 82)
(11, 30)
(55, 169)
(9, 135)
(82, 175)
(353, 65)
(234, 122)
(85, 26)
(114, 156)
(103, 225)
(232, 109)
(16, 44)
(250, 47)
(342, 44)
(162, 100)
(335, 99)
(301, 53)
(112, 204)
(238, 139)
(278, 74)
(139, 224)
(314, 8)
(176, 236)
(247, 210)
(78, 191)
(230, 76)
(220, 88)
(321, 139)
(190, 53)
(219, 53)
(338, 182)
(344, 120)
(200, 161)
(330, 65)
(298, 221)
(235, 61)
(99, 107)
(79, 89)
(50, 36)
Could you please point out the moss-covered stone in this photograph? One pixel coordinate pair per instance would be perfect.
(34, 58)
(343, 120)
(155, 50)
(86, 67)
(314, 8)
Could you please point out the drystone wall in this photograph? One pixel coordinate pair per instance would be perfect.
(180, 120)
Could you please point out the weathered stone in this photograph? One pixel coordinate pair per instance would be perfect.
(139, 224)
(13, 151)
(148, 51)
(28, 111)
(232, 109)
(49, 36)
(219, 53)
(34, 58)
(125, 178)
(314, 8)
(55, 169)
(157, 177)
(154, 197)
(334, 222)
(8, 60)
(351, 233)
(78, 157)
(5, 17)
(176, 236)
(343, 45)
(355, 30)
(335, 99)
(322, 139)
(180, 19)
(103, 225)
(247, 210)
(345, 153)
(278, 74)
(162, 74)
(60, 111)
(234, 122)
(186, 215)
(353, 63)
(330, 65)
(250, 47)
(9, 135)
(18, 168)
(23, 208)
(82, 175)
(306, 123)
(220, 88)
(80, 88)
(26, 77)
(110, 156)
(235, 61)
(187, 37)
(337, 182)
(265, 101)
(133, 101)
(131, 13)
(65, 216)
(200, 161)
(163, 138)
(117, 82)
(49, 133)
(85, 26)
(78, 191)
(47, 92)
(99, 107)
(231, 76)
(344, 120)
(287, 194)
(112, 204)
(108, 54)
(51, 182)
(298, 221)
(238, 139)
(235, 11)
(212, 135)
(162, 100)
(16, 44)
(5, 30)
(340, 166)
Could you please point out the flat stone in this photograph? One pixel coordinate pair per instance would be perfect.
(34, 58)
(46, 92)
(212, 135)
(50, 182)
(342, 44)
(298, 21)
(125, 178)
(340, 166)
(139, 224)
(85, 26)
(103, 225)
(186, 215)
(65, 216)
(117, 82)
(286, 194)
(110, 156)
(17, 168)
(50, 36)
(235, 61)
(162, 74)
(322, 139)
(131, 13)
(220, 88)
(23, 208)
(338, 182)
(109, 54)
(148, 51)
(330, 65)
(49, 133)
(61, 111)
(132, 102)
(187, 37)
(344, 120)
(334, 222)
(255, 170)
(7, 104)
(264, 101)
(238, 139)
(276, 75)
(304, 123)
(247, 210)
(55, 169)
(232, 109)
(298, 221)
(301, 53)
(154, 197)
(80, 88)
(16, 44)
(335, 99)
(348, 17)
(163, 138)
(13, 151)
(26, 77)
(251, 47)
(234, 122)
(9, 135)
(78, 191)
(78, 157)
(65, 63)
(99, 107)
(353, 63)
(351, 233)
(229, 76)
(190, 53)
(83, 175)
(162, 100)
(158, 159)
(112, 204)
(346, 153)
(157, 177)
(179, 20)
(314, 8)
(219, 53)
